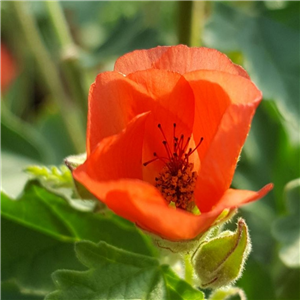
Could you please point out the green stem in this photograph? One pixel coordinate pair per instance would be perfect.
(69, 54)
(189, 270)
(184, 21)
(50, 74)
(190, 22)
(59, 23)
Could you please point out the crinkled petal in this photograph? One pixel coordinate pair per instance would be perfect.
(180, 58)
(117, 156)
(139, 60)
(183, 59)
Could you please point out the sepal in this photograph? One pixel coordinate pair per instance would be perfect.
(189, 246)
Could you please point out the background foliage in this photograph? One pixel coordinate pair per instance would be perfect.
(56, 62)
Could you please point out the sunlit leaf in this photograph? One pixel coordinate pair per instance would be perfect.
(38, 233)
(50, 214)
(29, 257)
(118, 274)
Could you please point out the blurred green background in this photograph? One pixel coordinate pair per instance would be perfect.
(58, 48)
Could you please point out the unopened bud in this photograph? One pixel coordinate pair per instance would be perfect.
(219, 262)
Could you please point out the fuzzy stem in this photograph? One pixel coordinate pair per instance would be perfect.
(189, 271)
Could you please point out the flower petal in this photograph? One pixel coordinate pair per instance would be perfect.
(117, 156)
(234, 99)
(242, 71)
(235, 198)
(174, 103)
(8, 68)
(142, 204)
(180, 58)
(138, 60)
(183, 59)
(112, 104)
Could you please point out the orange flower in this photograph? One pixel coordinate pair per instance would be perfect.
(167, 126)
(8, 68)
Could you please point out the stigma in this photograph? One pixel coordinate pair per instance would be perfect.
(177, 179)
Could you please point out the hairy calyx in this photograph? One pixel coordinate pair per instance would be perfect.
(176, 181)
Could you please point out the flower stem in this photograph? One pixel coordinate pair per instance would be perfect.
(50, 74)
(190, 22)
(68, 52)
(189, 271)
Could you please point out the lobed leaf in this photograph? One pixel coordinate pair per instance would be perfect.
(48, 213)
(38, 233)
(117, 274)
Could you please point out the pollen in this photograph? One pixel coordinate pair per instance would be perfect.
(177, 188)
(177, 180)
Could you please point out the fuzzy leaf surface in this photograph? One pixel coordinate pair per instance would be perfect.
(118, 274)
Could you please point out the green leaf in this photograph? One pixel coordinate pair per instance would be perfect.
(117, 274)
(51, 126)
(50, 214)
(20, 138)
(28, 258)
(270, 50)
(56, 177)
(59, 181)
(286, 229)
(11, 291)
(38, 233)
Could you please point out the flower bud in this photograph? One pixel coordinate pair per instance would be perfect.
(219, 262)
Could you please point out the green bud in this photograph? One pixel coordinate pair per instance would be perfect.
(219, 262)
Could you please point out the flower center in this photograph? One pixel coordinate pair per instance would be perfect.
(176, 181)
